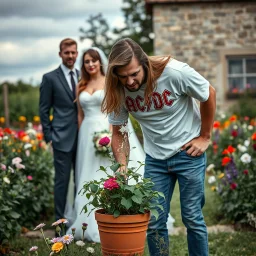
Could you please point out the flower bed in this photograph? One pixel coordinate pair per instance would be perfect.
(26, 180)
(232, 169)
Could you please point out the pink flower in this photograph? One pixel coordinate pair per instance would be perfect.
(20, 166)
(111, 184)
(3, 167)
(56, 240)
(233, 186)
(33, 248)
(104, 141)
(39, 226)
(16, 160)
(29, 177)
(67, 239)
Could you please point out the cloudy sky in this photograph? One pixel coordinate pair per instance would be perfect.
(30, 32)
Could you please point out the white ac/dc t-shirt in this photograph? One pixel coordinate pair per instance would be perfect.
(172, 117)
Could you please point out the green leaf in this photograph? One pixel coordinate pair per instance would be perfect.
(14, 215)
(130, 188)
(116, 213)
(94, 188)
(115, 167)
(154, 213)
(137, 199)
(127, 203)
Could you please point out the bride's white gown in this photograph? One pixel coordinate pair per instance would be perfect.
(87, 163)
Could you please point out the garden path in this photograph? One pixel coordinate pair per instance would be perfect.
(175, 231)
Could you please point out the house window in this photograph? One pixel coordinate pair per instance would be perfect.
(241, 74)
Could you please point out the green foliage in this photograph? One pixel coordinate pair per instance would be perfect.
(233, 165)
(245, 106)
(23, 101)
(117, 197)
(138, 26)
(26, 181)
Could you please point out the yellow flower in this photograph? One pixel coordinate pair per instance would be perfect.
(213, 188)
(51, 117)
(13, 150)
(22, 119)
(26, 138)
(2, 120)
(34, 148)
(221, 175)
(36, 119)
(57, 247)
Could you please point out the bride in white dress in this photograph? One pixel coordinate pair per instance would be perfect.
(91, 120)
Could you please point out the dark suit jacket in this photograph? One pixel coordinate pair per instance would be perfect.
(55, 93)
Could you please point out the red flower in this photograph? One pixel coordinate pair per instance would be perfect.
(8, 130)
(225, 160)
(254, 146)
(21, 134)
(233, 186)
(111, 184)
(234, 133)
(104, 141)
(233, 118)
(254, 136)
(246, 172)
(246, 118)
(216, 124)
(225, 152)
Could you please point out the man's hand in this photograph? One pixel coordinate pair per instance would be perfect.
(197, 146)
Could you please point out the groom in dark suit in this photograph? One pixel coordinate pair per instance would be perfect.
(58, 92)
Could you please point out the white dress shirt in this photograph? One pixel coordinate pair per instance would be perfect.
(67, 75)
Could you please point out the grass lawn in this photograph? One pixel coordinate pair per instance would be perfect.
(226, 244)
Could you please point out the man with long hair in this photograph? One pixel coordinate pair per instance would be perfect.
(161, 93)
(58, 92)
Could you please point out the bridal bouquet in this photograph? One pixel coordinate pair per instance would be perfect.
(102, 143)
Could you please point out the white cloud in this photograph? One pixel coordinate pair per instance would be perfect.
(31, 31)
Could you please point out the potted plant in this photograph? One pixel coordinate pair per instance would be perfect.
(123, 206)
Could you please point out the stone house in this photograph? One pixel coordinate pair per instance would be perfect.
(216, 37)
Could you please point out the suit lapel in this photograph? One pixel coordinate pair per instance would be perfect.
(64, 82)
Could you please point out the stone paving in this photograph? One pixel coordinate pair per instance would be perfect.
(174, 231)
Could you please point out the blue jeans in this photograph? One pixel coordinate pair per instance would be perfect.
(190, 173)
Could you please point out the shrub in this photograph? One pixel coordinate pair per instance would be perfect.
(26, 180)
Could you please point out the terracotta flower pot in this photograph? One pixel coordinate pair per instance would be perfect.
(124, 235)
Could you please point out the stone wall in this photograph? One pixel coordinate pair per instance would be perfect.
(197, 34)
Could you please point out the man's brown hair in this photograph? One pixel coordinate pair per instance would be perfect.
(67, 42)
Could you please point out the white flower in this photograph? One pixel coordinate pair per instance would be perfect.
(11, 169)
(6, 180)
(31, 132)
(250, 127)
(80, 243)
(5, 138)
(241, 148)
(211, 179)
(246, 158)
(27, 146)
(246, 143)
(90, 249)
(235, 127)
(210, 167)
(124, 129)
(67, 239)
(27, 152)
(244, 126)
(223, 116)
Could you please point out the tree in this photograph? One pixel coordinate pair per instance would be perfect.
(138, 26)
(98, 33)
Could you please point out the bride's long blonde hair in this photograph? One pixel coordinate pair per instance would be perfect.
(121, 55)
